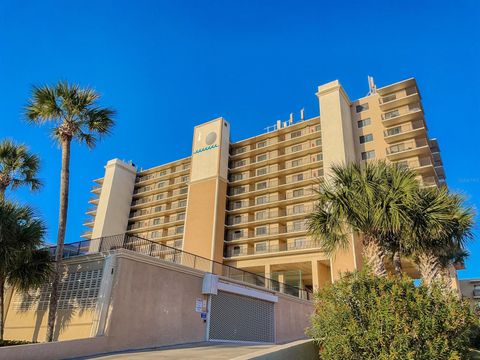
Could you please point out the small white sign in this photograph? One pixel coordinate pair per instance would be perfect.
(198, 305)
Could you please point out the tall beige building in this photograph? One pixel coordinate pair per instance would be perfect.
(245, 203)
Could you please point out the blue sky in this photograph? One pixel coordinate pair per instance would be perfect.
(166, 66)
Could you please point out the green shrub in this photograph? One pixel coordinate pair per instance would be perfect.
(14, 342)
(367, 317)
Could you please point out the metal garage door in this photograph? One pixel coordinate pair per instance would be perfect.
(240, 318)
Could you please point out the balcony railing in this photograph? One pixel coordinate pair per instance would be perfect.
(267, 232)
(260, 216)
(177, 256)
(408, 145)
(402, 129)
(273, 248)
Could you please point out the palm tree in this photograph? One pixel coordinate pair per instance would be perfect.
(73, 114)
(18, 167)
(23, 263)
(368, 199)
(440, 226)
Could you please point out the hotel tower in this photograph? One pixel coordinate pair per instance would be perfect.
(244, 203)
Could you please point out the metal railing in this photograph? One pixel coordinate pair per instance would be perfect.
(174, 255)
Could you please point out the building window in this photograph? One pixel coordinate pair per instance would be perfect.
(239, 150)
(318, 142)
(298, 192)
(237, 204)
(476, 291)
(297, 177)
(185, 178)
(183, 190)
(261, 215)
(240, 163)
(300, 243)
(181, 216)
(262, 157)
(261, 144)
(161, 184)
(388, 98)
(262, 185)
(237, 219)
(368, 155)
(162, 173)
(238, 190)
(159, 197)
(157, 208)
(366, 138)
(295, 134)
(362, 107)
(186, 166)
(259, 231)
(237, 177)
(236, 250)
(296, 162)
(318, 127)
(296, 148)
(179, 229)
(261, 200)
(299, 209)
(364, 122)
(155, 234)
(237, 234)
(177, 244)
(182, 203)
(297, 225)
(392, 114)
(157, 221)
(262, 171)
(319, 157)
(261, 247)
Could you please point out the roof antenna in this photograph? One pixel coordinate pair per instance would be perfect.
(302, 114)
(290, 120)
(371, 86)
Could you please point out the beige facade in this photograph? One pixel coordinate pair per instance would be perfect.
(470, 289)
(245, 203)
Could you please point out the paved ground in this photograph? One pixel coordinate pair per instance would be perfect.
(190, 352)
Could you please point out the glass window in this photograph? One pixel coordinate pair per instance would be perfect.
(296, 134)
(296, 148)
(318, 127)
(237, 204)
(181, 216)
(161, 184)
(392, 114)
(368, 155)
(237, 219)
(238, 190)
(362, 107)
(261, 185)
(261, 215)
(260, 247)
(299, 209)
(318, 142)
(236, 250)
(261, 144)
(298, 192)
(297, 177)
(297, 225)
(262, 157)
(162, 172)
(364, 122)
(183, 190)
(261, 231)
(158, 208)
(157, 221)
(237, 177)
(366, 138)
(179, 230)
(239, 150)
(262, 171)
(182, 203)
(240, 163)
(300, 243)
(261, 200)
(296, 162)
(237, 234)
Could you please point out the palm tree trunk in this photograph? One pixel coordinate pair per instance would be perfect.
(374, 256)
(2, 307)
(397, 263)
(429, 267)
(62, 225)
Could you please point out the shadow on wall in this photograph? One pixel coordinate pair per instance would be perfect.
(28, 312)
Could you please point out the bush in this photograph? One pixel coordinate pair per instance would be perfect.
(14, 342)
(366, 317)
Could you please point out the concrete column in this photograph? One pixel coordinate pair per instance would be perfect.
(268, 275)
(281, 280)
(207, 190)
(320, 275)
(113, 208)
(338, 148)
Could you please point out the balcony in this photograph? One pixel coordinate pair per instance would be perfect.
(476, 293)
(93, 200)
(404, 131)
(408, 149)
(402, 114)
(92, 210)
(274, 231)
(266, 249)
(87, 234)
(165, 173)
(96, 189)
(399, 98)
(267, 215)
(420, 165)
(89, 222)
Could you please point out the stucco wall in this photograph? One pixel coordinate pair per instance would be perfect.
(292, 317)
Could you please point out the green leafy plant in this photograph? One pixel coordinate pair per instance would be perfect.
(363, 316)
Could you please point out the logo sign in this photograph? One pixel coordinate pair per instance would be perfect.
(209, 140)
(206, 148)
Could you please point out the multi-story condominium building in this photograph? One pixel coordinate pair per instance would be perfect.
(245, 203)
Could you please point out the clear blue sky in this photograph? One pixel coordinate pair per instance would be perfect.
(166, 66)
